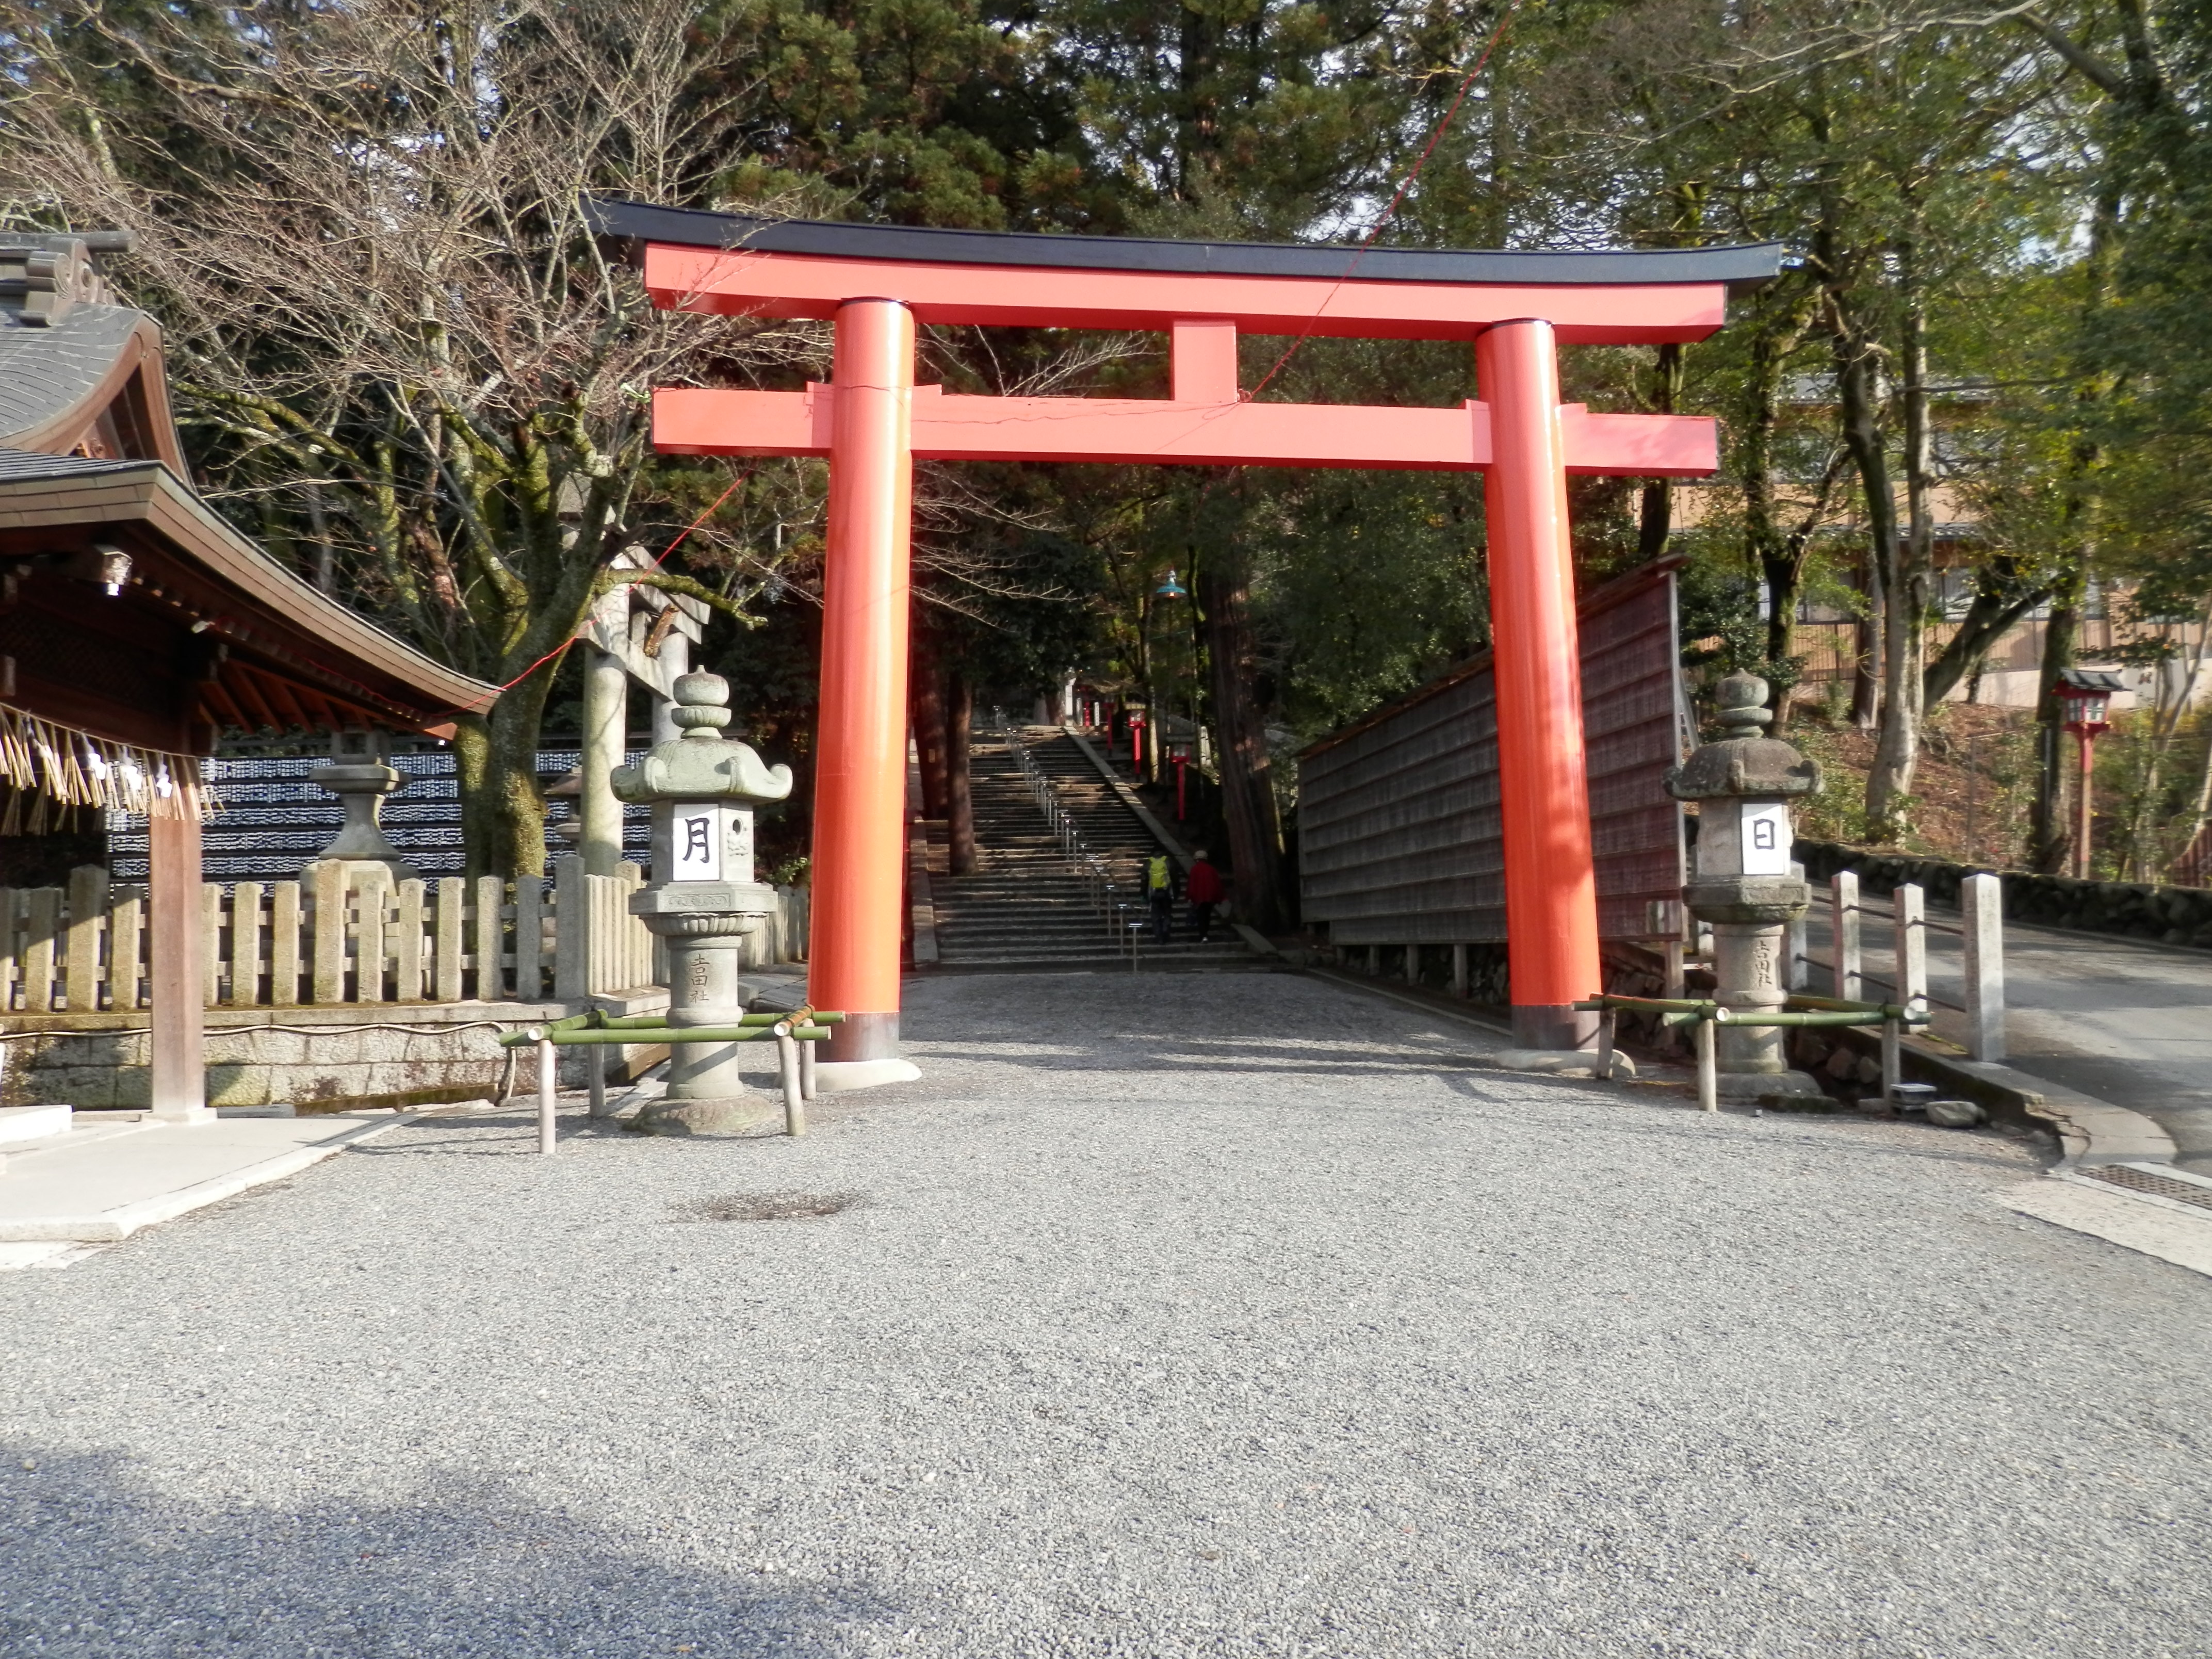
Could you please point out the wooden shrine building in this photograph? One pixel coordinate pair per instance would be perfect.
(137, 625)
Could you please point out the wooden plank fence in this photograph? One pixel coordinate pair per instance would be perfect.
(82, 947)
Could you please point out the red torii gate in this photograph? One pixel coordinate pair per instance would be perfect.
(877, 283)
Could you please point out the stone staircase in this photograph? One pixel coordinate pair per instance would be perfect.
(1026, 909)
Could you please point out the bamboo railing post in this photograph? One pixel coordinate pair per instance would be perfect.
(1708, 1070)
(547, 1090)
(787, 1065)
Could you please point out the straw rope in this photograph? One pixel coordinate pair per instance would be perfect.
(51, 766)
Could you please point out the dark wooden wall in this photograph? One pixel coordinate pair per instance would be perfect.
(1398, 831)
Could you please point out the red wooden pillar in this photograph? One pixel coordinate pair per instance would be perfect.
(1551, 882)
(176, 947)
(860, 791)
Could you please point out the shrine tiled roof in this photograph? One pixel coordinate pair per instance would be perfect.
(47, 372)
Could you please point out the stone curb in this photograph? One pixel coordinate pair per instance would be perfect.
(108, 1226)
(2089, 1131)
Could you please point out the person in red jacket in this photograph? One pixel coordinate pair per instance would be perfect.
(1202, 887)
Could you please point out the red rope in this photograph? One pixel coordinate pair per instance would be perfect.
(564, 645)
(1435, 136)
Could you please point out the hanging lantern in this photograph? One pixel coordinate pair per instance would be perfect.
(1172, 588)
(2086, 694)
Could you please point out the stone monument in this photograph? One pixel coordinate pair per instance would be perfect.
(1744, 885)
(703, 902)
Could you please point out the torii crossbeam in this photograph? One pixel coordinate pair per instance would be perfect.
(877, 283)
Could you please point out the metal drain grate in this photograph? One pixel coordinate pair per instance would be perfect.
(2143, 1180)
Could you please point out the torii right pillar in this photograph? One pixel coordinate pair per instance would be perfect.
(1551, 878)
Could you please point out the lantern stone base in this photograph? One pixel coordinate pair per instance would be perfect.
(1750, 1085)
(730, 1115)
(1565, 1061)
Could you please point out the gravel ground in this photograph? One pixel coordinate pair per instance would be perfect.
(1311, 1334)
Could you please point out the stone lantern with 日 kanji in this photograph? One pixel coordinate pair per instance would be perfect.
(1745, 885)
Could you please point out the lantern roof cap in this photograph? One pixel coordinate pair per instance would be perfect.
(702, 764)
(1743, 764)
(2091, 680)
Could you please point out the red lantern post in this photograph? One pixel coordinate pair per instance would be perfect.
(2086, 694)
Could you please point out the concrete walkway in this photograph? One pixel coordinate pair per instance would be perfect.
(110, 1174)
(1212, 1315)
(2127, 1022)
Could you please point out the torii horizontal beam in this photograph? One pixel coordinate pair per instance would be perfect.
(1205, 422)
(698, 421)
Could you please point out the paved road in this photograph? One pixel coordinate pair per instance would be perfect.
(1302, 1333)
(2129, 1023)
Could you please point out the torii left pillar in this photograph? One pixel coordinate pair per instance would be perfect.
(859, 785)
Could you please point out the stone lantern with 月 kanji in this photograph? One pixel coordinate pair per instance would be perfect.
(1744, 884)
(703, 901)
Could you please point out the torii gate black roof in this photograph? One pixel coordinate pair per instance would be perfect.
(1742, 267)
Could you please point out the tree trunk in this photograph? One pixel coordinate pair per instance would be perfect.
(1866, 643)
(2000, 601)
(2049, 835)
(1655, 520)
(926, 698)
(1912, 557)
(495, 766)
(1248, 789)
(958, 713)
(1859, 404)
(1762, 535)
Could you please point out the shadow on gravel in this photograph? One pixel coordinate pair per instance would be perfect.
(98, 1564)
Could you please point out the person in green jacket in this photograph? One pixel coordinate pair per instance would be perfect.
(1160, 893)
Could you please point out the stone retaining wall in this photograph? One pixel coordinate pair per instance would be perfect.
(332, 1058)
(2171, 915)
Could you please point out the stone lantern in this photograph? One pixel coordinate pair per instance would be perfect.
(703, 901)
(1745, 885)
(361, 775)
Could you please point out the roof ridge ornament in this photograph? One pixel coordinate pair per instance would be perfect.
(44, 278)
